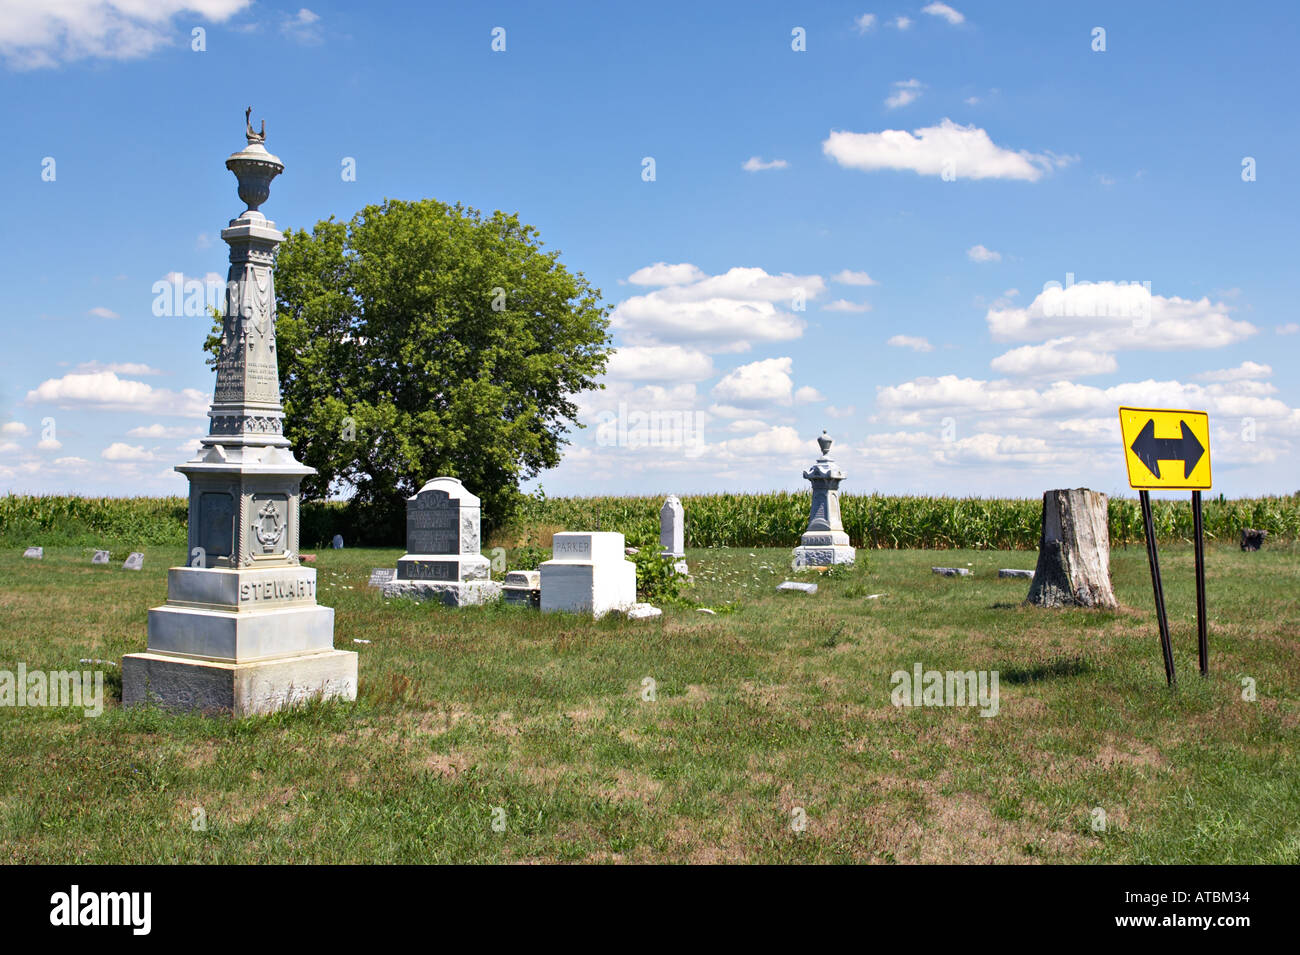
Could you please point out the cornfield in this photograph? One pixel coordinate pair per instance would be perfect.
(713, 520)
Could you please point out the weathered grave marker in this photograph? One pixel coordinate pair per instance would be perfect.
(35, 553)
(134, 561)
(381, 575)
(824, 542)
(442, 559)
(100, 557)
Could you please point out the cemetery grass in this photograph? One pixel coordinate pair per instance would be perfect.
(778, 702)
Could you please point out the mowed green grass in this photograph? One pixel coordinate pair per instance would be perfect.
(782, 704)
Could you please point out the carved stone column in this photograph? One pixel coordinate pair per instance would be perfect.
(241, 630)
(824, 542)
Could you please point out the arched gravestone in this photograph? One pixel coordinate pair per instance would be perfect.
(442, 559)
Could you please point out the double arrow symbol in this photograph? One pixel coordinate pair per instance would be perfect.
(1152, 450)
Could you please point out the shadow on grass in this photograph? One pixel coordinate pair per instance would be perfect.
(1065, 666)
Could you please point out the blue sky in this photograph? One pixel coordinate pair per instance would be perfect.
(857, 236)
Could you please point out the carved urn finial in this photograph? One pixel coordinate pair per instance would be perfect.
(824, 442)
(254, 167)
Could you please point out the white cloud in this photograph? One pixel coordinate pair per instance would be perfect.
(901, 23)
(160, 431)
(844, 305)
(661, 273)
(966, 150)
(303, 27)
(719, 313)
(104, 391)
(71, 463)
(1117, 316)
(743, 425)
(758, 383)
(44, 35)
(1055, 359)
(48, 444)
(865, 23)
(756, 164)
(850, 277)
(1290, 328)
(100, 312)
(836, 412)
(120, 451)
(977, 253)
(13, 427)
(905, 92)
(1246, 370)
(659, 363)
(910, 341)
(807, 395)
(943, 10)
(782, 440)
(9, 447)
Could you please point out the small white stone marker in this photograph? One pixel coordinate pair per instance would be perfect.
(876, 596)
(672, 528)
(706, 610)
(134, 561)
(381, 575)
(359, 640)
(951, 571)
(643, 612)
(1005, 572)
(101, 557)
(797, 586)
(35, 553)
(587, 573)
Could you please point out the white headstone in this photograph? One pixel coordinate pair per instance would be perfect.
(101, 557)
(587, 573)
(337, 542)
(824, 542)
(35, 553)
(134, 561)
(672, 528)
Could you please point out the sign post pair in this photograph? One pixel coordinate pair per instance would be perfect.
(1168, 449)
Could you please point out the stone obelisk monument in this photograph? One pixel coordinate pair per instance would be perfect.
(824, 542)
(241, 631)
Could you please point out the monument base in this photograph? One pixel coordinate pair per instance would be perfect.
(465, 593)
(241, 689)
(823, 549)
(594, 588)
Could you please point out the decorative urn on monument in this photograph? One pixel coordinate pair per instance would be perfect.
(241, 631)
(824, 542)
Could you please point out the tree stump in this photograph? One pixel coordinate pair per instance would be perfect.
(1074, 552)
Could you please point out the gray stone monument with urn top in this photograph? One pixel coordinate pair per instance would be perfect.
(241, 631)
(824, 542)
(443, 559)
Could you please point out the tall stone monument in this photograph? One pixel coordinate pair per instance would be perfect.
(443, 559)
(241, 631)
(824, 542)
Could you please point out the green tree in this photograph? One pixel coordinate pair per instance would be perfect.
(422, 339)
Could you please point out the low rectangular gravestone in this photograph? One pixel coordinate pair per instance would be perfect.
(588, 573)
(35, 553)
(134, 561)
(101, 557)
(381, 575)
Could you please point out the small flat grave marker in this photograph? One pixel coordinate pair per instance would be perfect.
(35, 553)
(1011, 572)
(101, 557)
(381, 575)
(951, 571)
(797, 586)
(134, 561)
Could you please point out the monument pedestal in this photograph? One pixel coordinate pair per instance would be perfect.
(239, 641)
(824, 549)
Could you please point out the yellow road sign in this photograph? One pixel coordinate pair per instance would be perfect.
(1166, 448)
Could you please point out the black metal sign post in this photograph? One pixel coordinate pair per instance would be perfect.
(1202, 632)
(1149, 529)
